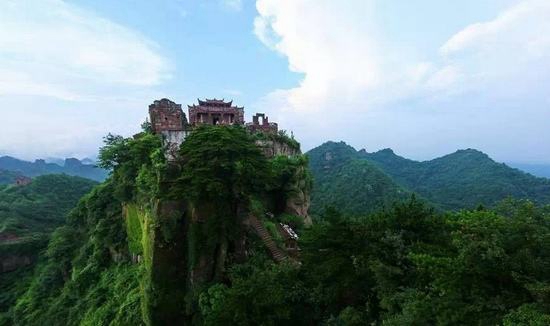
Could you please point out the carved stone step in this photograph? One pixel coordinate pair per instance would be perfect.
(277, 254)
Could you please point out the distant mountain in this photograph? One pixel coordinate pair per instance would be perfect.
(88, 161)
(56, 160)
(352, 185)
(463, 179)
(539, 170)
(8, 177)
(41, 205)
(70, 166)
(29, 214)
(61, 161)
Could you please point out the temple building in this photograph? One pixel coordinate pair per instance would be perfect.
(168, 120)
(22, 180)
(215, 112)
(260, 123)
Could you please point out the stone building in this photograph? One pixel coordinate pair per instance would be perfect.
(22, 180)
(215, 112)
(166, 115)
(260, 123)
(167, 119)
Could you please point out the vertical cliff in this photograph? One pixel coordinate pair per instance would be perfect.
(164, 230)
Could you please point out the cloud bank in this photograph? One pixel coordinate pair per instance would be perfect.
(52, 48)
(362, 85)
(69, 76)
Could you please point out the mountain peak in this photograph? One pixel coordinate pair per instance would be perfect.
(470, 152)
(386, 151)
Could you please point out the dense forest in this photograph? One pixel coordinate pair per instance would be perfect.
(162, 243)
(70, 166)
(28, 216)
(352, 185)
(41, 205)
(348, 178)
(407, 265)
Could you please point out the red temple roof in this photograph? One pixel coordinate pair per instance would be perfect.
(215, 103)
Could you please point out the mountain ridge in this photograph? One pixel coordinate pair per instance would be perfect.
(71, 166)
(336, 171)
(462, 179)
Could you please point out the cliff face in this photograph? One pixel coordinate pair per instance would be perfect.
(272, 148)
(17, 252)
(146, 244)
(190, 230)
(13, 262)
(298, 202)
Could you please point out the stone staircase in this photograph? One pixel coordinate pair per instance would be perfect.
(277, 253)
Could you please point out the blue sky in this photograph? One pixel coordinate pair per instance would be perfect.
(210, 46)
(423, 77)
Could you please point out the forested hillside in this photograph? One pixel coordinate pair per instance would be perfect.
(71, 166)
(350, 184)
(407, 265)
(166, 244)
(144, 246)
(28, 216)
(40, 206)
(464, 179)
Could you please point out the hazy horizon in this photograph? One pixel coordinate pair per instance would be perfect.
(424, 78)
(526, 166)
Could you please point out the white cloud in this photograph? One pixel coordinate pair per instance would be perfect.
(69, 76)
(236, 5)
(53, 48)
(523, 25)
(512, 50)
(354, 70)
(317, 39)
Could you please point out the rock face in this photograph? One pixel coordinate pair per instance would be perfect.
(272, 148)
(172, 140)
(163, 234)
(8, 237)
(13, 262)
(298, 204)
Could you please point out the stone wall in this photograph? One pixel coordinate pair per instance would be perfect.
(272, 148)
(166, 115)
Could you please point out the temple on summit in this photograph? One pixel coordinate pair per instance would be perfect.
(215, 112)
(168, 119)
